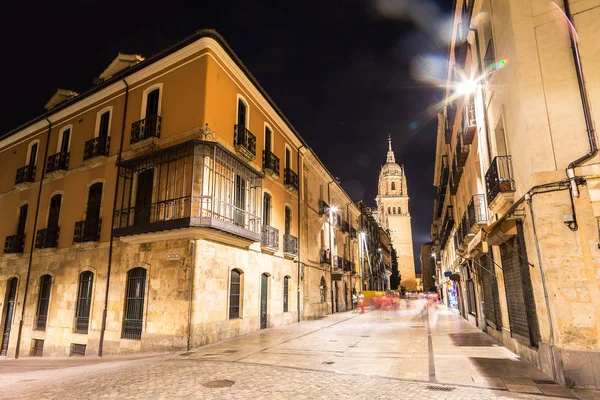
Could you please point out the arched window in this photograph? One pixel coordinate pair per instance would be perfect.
(393, 210)
(152, 103)
(285, 293)
(393, 185)
(288, 220)
(84, 302)
(94, 201)
(134, 304)
(235, 292)
(54, 211)
(323, 290)
(389, 210)
(11, 296)
(267, 202)
(43, 303)
(399, 210)
(32, 154)
(242, 113)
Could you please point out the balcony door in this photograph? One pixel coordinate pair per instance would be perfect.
(33, 155)
(22, 220)
(239, 201)
(143, 197)
(54, 213)
(288, 220)
(268, 135)
(10, 309)
(94, 201)
(64, 143)
(288, 158)
(104, 119)
(264, 291)
(241, 113)
(152, 103)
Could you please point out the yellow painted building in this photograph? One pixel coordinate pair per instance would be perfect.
(516, 215)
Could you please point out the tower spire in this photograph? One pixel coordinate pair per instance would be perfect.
(390, 153)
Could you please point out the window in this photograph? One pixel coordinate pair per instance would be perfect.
(239, 201)
(64, 140)
(11, 296)
(393, 210)
(22, 220)
(235, 291)
(389, 210)
(285, 293)
(242, 113)
(393, 185)
(288, 158)
(94, 201)
(104, 124)
(288, 220)
(152, 103)
(134, 303)
(54, 211)
(267, 209)
(32, 156)
(84, 302)
(268, 139)
(43, 302)
(323, 288)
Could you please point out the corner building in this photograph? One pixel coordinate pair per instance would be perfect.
(515, 221)
(160, 210)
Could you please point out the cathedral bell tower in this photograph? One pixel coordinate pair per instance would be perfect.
(393, 214)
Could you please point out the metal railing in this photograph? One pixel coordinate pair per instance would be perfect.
(290, 179)
(325, 257)
(14, 244)
(142, 214)
(25, 174)
(146, 128)
(469, 122)
(269, 237)
(47, 238)
(337, 262)
(347, 265)
(447, 226)
(290, 244)
(499, 177)
(461, 152)
(270, 162)
(244, 142)
(87, 230)
(96, 147)
(58, 162)
(477, 212)
(82, 324)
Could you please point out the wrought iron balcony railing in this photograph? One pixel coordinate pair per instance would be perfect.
(347, 265)
(325, 257)
(58, 162)
(269, 237)
(455, 181)
(47, 238)
(461, 152)
(499, 177)
(96, 147)
(244, 142)
(477, 212)
(447, 226)
(290, 180)
(352, 233)
(270, 163)
(290, 244)
(87, 231)
(469, 122)
(146, 128)
(14, 244)
(25, 174)
(337, 262)
(345, 226)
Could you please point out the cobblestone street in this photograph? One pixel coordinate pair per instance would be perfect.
(349, 356)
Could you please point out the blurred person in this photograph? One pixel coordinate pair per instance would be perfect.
(361, 302)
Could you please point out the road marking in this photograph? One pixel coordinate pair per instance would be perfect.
(432, 377)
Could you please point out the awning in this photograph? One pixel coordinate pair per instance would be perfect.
(500, 231)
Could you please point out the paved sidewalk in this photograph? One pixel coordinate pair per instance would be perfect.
(377, 355)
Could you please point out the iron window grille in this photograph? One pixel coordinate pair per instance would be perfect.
(43, 303)
(8, 317)
(58, 162)
(146, 128)
(134, 304)
(323, 290)
(25, 174)
(84, 302)
(234, 294)
(78, 349)
(285, 293)
(196, 183)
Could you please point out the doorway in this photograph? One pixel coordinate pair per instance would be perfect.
(264, 291)
(10, 308)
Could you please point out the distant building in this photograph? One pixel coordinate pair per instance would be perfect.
(393, 215)
(428, 267)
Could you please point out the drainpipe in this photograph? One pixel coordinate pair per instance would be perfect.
(299, 232)
(543, 275)
(587, 114)
(191, 295)
(110, 244)
(37, 211)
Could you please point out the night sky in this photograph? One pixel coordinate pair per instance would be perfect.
(346, 73)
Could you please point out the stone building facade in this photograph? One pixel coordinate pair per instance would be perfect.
(516, 215)
(393, 214)
(170, 206)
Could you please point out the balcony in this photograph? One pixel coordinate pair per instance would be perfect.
(447, 132)
(352, 233)
(290, 180)
(477, 212)
(96, 147)
(469, 122)
(270, 164)
(244, 142)
(347, 265)
(58, 162)
(345, 227)
(47, 238)
(87, 231)
(461, 45)
(25, 174)
(323, 208)
(269, 238)
(451, 114)
(456, 175)
(290, 244)
(227, 211)
(146, 128)
(325, 257)
(447, 227)
(467, 235)
(462, 152)
(500, 184)
(14, 244)
(337, 262)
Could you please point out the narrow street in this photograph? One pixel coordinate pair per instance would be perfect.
(384, 354)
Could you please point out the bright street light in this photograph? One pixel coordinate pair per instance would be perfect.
(333, 209)
(466, 87)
